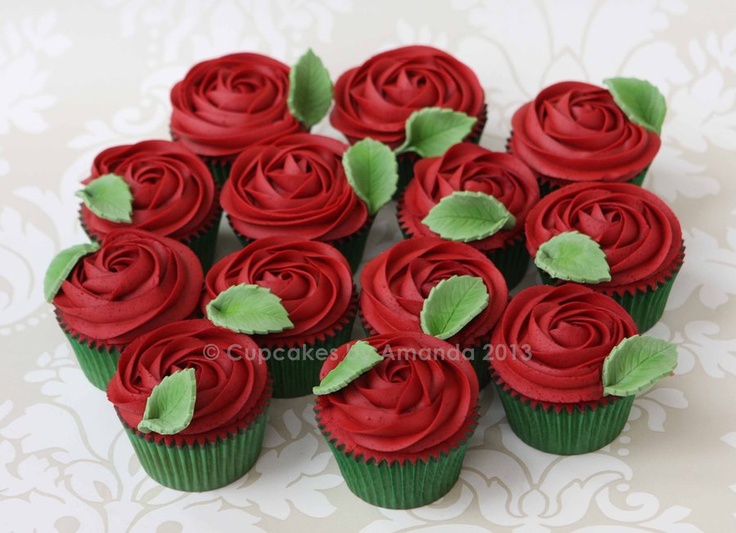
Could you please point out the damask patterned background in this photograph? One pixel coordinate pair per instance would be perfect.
(75, 80)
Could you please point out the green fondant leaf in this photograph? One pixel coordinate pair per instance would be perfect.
(62, 265)
(372, 172)
(573, 256)
(109, 197)
(468, 216)
(170, 407)
(432, 130)
(310, 89)
(360, 358)
(640, 100)
(636, 364)
(451, 304)
(249, 309)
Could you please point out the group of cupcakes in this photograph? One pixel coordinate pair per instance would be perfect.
(191, 353)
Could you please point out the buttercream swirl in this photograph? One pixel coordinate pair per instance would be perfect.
(375, 99)
(232, 389)
(418, 401)
(313, 280)
(134, 283)
(225, 104)
(396, 283)
(576, 132)
(551, 342)
(294, 186)
(637, 231)
(173, 192)
(469, 167)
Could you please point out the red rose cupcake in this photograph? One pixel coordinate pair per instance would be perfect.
(396, 283)
(224, 105)
(376, 98)
(214, 435)
(638, 233)
(296, 187)
(173, 194)
(547, 355)
(468, 167)
(576, 132)
(399, 431)
(315, 286)
(106, 299)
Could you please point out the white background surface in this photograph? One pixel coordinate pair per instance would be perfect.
(74, 81)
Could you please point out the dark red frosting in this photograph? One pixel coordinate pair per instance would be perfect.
(637, 231)
(313, 280)
(576, 132)
(226, 104)
(418, 402)
(375, 99)
(294, 186)
(551, 342)
(468, 167)
(396, 283)
(134, 283)
(229, 370)
(173, 192)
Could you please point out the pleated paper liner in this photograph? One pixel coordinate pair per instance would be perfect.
(476, 354)
(99, 364)
(407, 160)
(295, 367)
(220, 170)
(548, 184)
(645, 305)
(200, 466)
(565, 429)
(350, 247)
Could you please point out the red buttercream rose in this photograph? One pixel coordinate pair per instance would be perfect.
(173, 192)
(396, 283)
(551, 342)
(375, 99)
(134, 283)
(637, 231)
(295, 186)
(232, 388)
(226, 104)
(468, 167)
(576, 132)
(313, 280)
(419, 401)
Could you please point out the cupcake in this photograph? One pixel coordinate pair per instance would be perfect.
(173, 195)
(377, 98)
(106, 296)
(226, 104)
(547, 354)
(193, 399)
(296, 187)
(639, 235)
(468, 167)
(399, 430)
(314, 284)
(576, 132)
(396, 284)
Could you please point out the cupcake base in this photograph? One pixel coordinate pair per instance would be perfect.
(400, 486)
(98, 364)
(220, 171)
(548, 185)
(583, 428)
(204, 244)
(200, 467)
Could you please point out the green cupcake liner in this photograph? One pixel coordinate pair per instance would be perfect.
(645, 307)
(564, 432)
(98, 364)
(548, 185)
(204, 244)
(200, 467)
(406, 163)
(400, 486)
(220, 171)
(295, 369)
(512, 261)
